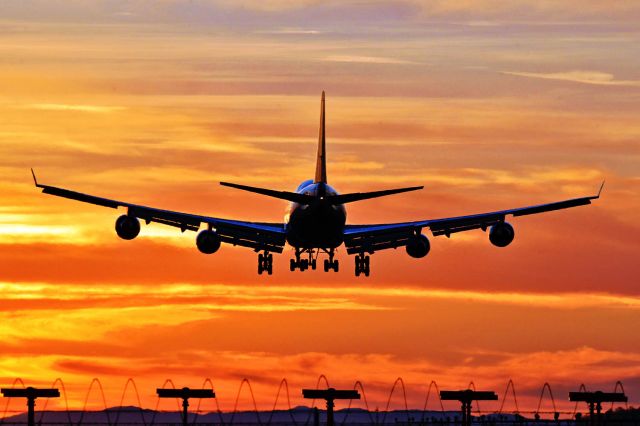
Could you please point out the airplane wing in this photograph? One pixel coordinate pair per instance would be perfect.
(256, 235)
(371, 238)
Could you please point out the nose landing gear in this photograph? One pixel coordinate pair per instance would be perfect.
(362, 265)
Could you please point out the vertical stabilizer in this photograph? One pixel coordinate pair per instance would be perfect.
(321, 164)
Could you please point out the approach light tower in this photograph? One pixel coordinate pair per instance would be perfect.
(595, 400)
(31, 394)
(330, 395)
(185, 394)
(466, 397)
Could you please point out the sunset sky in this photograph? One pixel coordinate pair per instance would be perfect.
(488, 104)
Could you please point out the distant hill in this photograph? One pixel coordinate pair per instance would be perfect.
(299, 416)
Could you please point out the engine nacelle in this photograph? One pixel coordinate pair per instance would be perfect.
(127, 227)
(501, 234)
(418, 246)
(208, 241)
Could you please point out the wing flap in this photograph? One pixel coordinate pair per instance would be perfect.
(165, 217)
(256, 245)
(372, 239)
(464, 223)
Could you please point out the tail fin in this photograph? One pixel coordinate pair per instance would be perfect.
(321, 162)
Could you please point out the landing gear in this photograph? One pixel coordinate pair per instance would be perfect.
(302, 264)
(335, 265)
(362, 265)
(265, 263)
(311, 260)
(330, 263)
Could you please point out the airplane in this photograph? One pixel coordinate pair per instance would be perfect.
(315, 222)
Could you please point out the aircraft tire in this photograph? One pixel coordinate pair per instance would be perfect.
(261, 262)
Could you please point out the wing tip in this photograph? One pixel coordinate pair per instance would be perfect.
(35, 180)
(601, 188)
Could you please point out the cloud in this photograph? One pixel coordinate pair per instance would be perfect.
(291, 31)
(366, 59)
(529, 10)
(586, 77)
(564, 370)
(277, 298)
(74, 108)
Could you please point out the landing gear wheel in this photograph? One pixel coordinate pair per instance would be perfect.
(313, 264)
(292, 265)
(265, 263)
(362, 263)
(331, 264)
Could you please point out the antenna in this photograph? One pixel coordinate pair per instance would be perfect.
(466, 397)
(185, 394)
(595, 400)
(31, 394)
(330, 395)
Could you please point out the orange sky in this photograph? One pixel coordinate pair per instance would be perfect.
(488, 106)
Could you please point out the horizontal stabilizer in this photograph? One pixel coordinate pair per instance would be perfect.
(284, 195)
(358, 196)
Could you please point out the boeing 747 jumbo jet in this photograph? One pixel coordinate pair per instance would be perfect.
(315, 222)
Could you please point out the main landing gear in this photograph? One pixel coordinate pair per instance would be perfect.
(265, 263)
(331, 263)
(362, 265)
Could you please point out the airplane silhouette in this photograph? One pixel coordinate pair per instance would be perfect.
(315, 222)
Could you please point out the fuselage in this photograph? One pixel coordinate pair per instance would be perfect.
(319, 224)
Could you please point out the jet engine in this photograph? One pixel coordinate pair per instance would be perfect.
(501, 234)
(127, 227)
(418, 246)
(208, 241)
